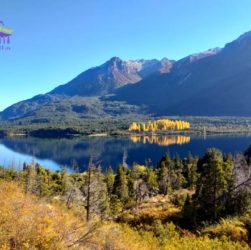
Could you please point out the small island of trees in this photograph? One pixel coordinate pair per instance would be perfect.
(159, 125)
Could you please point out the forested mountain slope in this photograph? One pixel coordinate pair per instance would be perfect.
(214, 82)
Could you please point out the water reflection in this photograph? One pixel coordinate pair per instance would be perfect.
(111, 151)
(161, 140)
(75, 153)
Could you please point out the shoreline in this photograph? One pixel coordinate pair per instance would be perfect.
(7, 134)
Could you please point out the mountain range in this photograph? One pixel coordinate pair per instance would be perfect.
(216, 82)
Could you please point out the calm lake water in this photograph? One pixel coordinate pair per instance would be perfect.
(111, 151)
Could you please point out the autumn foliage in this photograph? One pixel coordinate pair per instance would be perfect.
(190, 203)
(159, 125)
(26, 223)
(161, 140)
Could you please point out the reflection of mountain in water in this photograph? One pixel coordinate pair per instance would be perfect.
(111, 151)
(73, 152)
(161, 140)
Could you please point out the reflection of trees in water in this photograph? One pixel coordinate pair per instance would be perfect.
(73, 153)
(161, 140)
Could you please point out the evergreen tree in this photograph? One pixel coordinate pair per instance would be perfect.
(214, 185)
(170, 174)
(164, 174)
(42, 182)
(152, 182)
(190, 171)
(188, 213)
(136, 181)
(109, 179)
(177, 180)
(120, 188)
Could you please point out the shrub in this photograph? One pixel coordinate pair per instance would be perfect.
(26, 223)
(231, 228)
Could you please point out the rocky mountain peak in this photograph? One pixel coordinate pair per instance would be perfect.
(201, 55)
(111, 75)
(114, 60)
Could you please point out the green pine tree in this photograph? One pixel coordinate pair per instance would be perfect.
(120, 188)
(214, 185)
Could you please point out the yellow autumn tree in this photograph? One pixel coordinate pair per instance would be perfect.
(159, 125)
(134, 127)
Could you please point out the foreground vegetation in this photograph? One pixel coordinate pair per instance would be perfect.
(191, 203)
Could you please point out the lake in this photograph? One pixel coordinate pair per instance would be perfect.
(74, 154)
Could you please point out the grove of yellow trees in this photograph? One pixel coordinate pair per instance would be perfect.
(159, 125)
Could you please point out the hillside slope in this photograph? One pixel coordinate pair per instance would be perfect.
(80, 98)
(214, 82)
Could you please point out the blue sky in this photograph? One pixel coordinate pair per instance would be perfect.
(53, 41)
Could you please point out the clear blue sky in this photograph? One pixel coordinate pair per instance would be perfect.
(54, 40)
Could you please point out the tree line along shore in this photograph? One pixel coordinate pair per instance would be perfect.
(121, 126)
